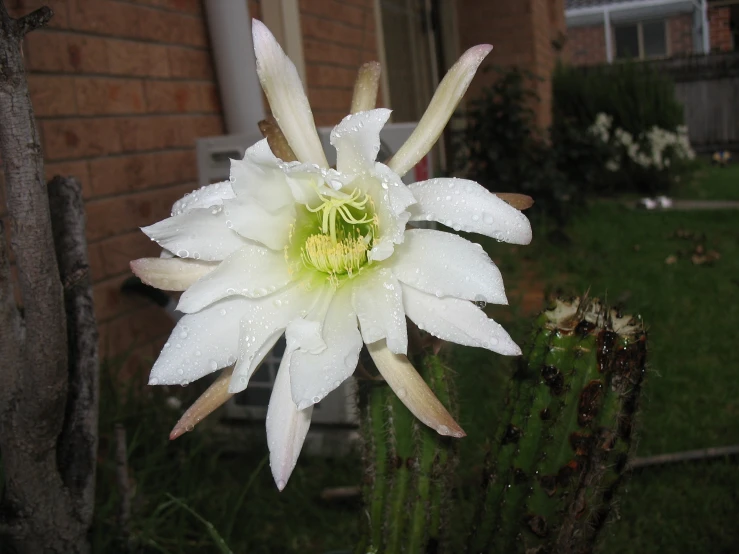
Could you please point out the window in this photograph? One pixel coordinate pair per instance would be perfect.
(645, 39)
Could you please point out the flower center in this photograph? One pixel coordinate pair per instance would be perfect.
(335, 236)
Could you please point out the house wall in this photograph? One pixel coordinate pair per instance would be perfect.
(338, 37)
(719, 20)
(121, 90)
(522, 34)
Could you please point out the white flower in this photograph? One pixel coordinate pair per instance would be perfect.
(323, 256)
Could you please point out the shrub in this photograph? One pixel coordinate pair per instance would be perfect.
(503, 150)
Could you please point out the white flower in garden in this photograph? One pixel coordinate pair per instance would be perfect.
(323, 255)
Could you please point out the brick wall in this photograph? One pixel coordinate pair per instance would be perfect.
(121, 90)
(680, 35)
(338, 37)
(719, 20)
(521, 33)
(586, 45)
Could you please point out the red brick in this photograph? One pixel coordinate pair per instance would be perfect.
(134, 330)
(113, 216)
(95, 258)
(78, 138)
(183, 6)
(330, 99)
(99, 16)
(330, 31)
(173, 96)
(336, 54)
(121, 174)
(335, 10)
(100, 96)
(52, 96)
(108, 300)
(319, 76)
(190, 64)
(117, 252)
(182, 29)
(136, 58)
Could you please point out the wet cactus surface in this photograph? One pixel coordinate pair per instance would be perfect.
(562, 447)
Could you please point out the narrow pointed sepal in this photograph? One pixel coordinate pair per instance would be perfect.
(212, 399)
(413, 391)
(170, 273)
(281, 83)
(440, 109)
(366, 87)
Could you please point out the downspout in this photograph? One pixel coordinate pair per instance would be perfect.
(233, 51)
(607, 30)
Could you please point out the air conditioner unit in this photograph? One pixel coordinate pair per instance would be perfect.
(335, 415)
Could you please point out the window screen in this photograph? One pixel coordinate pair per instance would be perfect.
(627, 41)
(654, 39)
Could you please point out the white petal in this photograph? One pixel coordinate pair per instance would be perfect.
(467, 206)
(398, 192)
(204, 197)
(445, 264)
(281, 84)
(457, 321)
(259, 176)
(313, 376)
(357, 140)
(391, 224)
(201, 234)
(200, 344)
(263, 323)
(170, 273)
(412, 390)
(252, 221)
(286, 426)
(378, 303)
(440, 109)
(252, 271)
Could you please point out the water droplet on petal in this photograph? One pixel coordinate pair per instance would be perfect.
(402, 393)
(442, 430)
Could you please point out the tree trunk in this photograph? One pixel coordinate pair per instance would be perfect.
(48, 398)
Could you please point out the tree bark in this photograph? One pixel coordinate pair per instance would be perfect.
(48, 399)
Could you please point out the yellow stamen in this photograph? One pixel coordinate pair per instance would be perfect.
(335, 257)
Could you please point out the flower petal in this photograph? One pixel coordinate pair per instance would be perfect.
(313, 376)
(286, 426)
(357, 140)
(440, 109)
(413, 391)
(399, 194)
(263, 323)
(204, 197)
(378, 303)
(281, 84)
(213, 398)
(457, 321)
(201, 234)
(445, 264)
(252, 271)
(467, 206)
(200, 344)
(170, 273)
(252, 221)
(260, 177)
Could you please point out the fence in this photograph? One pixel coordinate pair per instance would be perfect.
(708, 87)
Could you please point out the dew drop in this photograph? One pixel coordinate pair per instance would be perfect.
(402, 393)
(183, 335)
(487, 218)
(442, 430)
(316, 399)
(182, 253)
(480, 301)
(154, 381)
(213, 365)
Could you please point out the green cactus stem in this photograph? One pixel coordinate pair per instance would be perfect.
(408, 467)
(563, 446)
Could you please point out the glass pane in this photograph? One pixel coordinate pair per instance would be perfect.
(655, 39)
(627, 41)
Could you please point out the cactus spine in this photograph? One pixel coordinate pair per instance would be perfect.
(563, 444)
(407, 465)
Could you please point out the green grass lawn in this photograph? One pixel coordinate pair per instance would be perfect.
(691, 396)
(710, 183)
